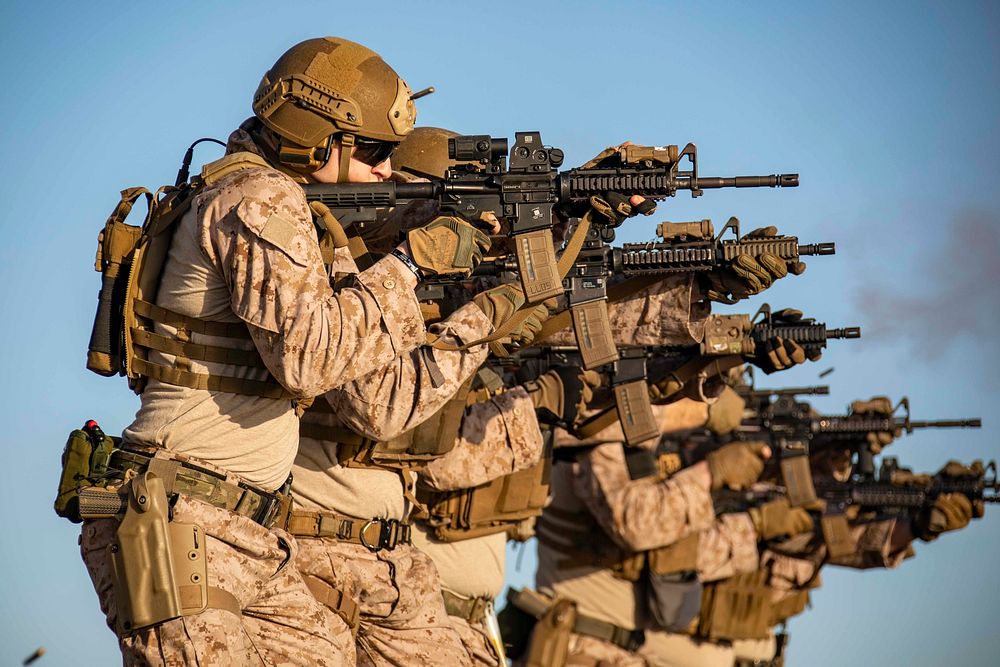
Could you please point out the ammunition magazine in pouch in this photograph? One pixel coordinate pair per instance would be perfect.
(159, 568)
(592, 328)
(84, 464)
(736, 608)
(536, 265)
(796, 474)
(836, 534)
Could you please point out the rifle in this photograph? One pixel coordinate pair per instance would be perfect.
(725, 335)
(524, 192)
(881, 494)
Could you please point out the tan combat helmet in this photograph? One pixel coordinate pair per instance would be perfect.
(424, 153)
(331, 88)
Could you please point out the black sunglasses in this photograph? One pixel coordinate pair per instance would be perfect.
(372, 152)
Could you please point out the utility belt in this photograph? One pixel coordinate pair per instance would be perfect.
(374, 534)
(470, 610)
(538, 628)
(92, 460)
(213, 487)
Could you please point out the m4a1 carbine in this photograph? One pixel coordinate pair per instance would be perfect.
(524, 192)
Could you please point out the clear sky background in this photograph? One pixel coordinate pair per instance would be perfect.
(888, 110)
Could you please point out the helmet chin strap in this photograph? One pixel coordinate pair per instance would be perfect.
(346, 144)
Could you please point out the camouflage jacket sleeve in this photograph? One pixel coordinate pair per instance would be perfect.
(728, 548)
(412, 387)
(497, 437)
(257, 229)
(670, 312)
(640, 514)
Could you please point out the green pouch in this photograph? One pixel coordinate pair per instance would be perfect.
(84, 463)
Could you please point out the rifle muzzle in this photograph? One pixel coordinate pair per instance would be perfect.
(818, 249)
(844, 332)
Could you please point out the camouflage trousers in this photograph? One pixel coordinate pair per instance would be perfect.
(403, 620)
(592, 652)
(476, 642)
(281, 622)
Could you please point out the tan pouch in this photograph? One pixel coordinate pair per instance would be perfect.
(736, 608)
(159, 568)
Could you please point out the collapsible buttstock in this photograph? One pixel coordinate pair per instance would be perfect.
(536, 265)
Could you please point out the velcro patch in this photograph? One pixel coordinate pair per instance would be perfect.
(279, 231)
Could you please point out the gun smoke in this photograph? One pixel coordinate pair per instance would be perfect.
(954, 294)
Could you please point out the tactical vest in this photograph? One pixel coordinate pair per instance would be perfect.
(417, 447)
(506, 504)
(131, 260)
(742, 607)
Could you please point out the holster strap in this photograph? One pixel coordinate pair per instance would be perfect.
(224, 600)
(336, 600)
(471, 610)
(374, 534)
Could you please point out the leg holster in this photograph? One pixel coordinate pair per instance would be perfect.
(159, 567)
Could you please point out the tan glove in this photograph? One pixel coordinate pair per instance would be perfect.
(746, 275)
(447, 246)
(564, 391)
(779, 519)
(778, 354)
(957, 470)
(950, 511)
(726, 413)
(877, 406)
(500, 304)
(737, 465)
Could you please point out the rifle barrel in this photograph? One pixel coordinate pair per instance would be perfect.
(772, 181)
(948, 423)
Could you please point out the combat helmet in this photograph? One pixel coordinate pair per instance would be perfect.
(424, 153)
(331, 88)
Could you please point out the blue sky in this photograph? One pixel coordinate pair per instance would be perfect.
(889, 111)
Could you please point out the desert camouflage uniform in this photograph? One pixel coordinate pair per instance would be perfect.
(403, 620)
(248, 251)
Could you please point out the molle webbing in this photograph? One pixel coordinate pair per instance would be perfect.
(141, 314)
(537, 605)
(422, 444)
(736, 608)
(494, 507)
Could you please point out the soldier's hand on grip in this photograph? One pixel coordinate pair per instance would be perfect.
(778, 518)
(447, 246)
(877, 406)
(975, 471)
(737, 465)
(564, 391)
(746, 275)
(950, 511)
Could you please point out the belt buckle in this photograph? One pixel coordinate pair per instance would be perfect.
(635, 640)
(388, 534)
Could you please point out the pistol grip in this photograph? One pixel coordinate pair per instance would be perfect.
(592, 328)
(635, 412)
(537, 266)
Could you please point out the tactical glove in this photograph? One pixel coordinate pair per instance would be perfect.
(736, 465)
(615, 207)
(779, 519)
(746, 275)
(564, 391)
(778, 354)
(726, 413)
(447, 246)
(877, 406)
(950, 511)
(500, 304)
